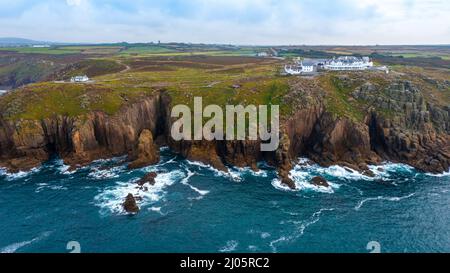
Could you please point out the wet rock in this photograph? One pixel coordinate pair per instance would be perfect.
(148, 178)
(130, 205)
(288, 182)
(368, 173)
(319, 181)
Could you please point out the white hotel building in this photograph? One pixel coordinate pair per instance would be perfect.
(348, 63)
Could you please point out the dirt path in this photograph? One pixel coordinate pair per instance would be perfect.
(127, 67)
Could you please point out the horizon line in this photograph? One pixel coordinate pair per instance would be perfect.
(222, 44)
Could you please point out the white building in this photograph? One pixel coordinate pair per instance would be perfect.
(300, 68)
(262, 54)
(79, 79)
(348, 63)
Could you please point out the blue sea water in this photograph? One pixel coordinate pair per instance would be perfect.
(194, 208)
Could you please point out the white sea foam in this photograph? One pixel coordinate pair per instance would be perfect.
(439, 174)
(185, 180)
(234, 173)
(238, 173)
(385, 170)
(156, 209)
(217, 172)
(109, 160)
(16, 246)
(304, 171)
(381, 171)
(229, 246)
(105, 173)
(45, 186)
(300, 227)
(112, 198)
(63, 168)
(260, 173)
(273, 243)
(14, 176)
(302, 182)
(253, 248)
(393, 199)
(172, 160)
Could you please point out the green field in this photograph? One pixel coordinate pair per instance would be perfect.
(41, 50)
(218, 80)
(122, 74)
(444, 56)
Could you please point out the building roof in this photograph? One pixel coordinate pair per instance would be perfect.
(309, 63)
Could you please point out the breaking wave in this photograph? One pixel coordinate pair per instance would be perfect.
(304, 171)
(235, 174)
(100, 173)
(111, 198)
(439, 174)
(19, 175)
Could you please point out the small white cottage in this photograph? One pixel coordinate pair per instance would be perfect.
(79, 79)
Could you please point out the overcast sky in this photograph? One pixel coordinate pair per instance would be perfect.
(271, 22)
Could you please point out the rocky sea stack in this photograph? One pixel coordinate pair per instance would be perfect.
(146, 152)
(130, 205)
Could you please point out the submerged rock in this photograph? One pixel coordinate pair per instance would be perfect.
(319, 181)
(130, 205)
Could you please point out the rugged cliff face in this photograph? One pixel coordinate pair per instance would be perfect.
(78, 140)
(418, 136)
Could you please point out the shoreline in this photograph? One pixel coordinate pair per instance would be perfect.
(302, 162)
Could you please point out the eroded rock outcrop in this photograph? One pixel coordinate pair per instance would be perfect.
(416, 133)
(319, 181)
(79, 140)
(146, 152)
(148, 178)
(341, 141)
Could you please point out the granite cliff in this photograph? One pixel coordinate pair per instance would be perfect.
(398, 124)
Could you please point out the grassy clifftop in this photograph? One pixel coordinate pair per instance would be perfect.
(218, 80)
(43, 100)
